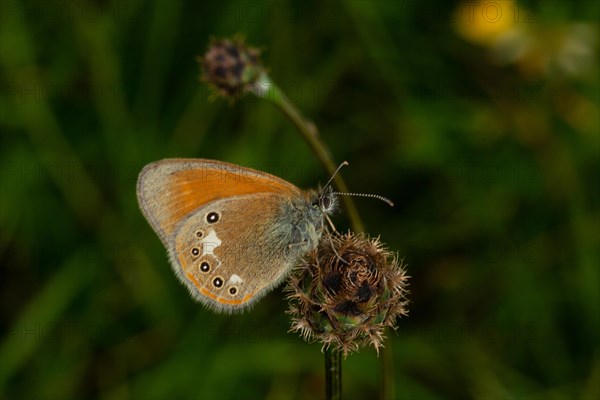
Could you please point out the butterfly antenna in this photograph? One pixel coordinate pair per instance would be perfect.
(335, 173)
(375, 196)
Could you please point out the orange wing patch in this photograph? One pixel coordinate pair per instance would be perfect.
(169, 190)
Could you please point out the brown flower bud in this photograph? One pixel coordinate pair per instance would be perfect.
(230, 66)
(347, 291)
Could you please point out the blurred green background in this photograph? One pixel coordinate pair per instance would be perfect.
(480, 121)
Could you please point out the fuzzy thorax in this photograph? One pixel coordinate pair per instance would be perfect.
(303, 217)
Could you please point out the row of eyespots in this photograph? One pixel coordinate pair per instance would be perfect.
(212, 217)
(217, 281)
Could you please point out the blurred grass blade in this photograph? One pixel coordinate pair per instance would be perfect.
(27, 334)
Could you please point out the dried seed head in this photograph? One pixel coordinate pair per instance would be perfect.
(346, 292)
(231, 67)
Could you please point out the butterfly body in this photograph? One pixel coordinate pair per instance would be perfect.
(232, 233)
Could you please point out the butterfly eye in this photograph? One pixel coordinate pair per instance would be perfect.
(325, 202)
(195, 251)
(212, 217)
(232, 290)
(218, 282)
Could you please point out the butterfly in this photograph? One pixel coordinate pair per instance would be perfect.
(232, 233)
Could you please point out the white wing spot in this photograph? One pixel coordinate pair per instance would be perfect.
(234, 279)
(210, 242)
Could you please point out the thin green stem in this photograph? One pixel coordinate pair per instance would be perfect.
(333, 374)
(270, 91)
(388, 387)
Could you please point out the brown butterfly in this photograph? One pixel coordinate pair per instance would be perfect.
(232, 233)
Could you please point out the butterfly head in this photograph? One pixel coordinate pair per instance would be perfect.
(325, 200)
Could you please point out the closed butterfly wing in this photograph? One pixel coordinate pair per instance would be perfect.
(227, 228)
(231, 252)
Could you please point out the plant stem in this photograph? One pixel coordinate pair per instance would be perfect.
(388, 388)
(270, 91)
(333, 374)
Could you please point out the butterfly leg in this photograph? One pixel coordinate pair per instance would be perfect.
(335, 251)
(291, 245)
(330, 222)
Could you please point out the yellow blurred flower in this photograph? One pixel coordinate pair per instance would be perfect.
(515, 36)
(483, 22)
